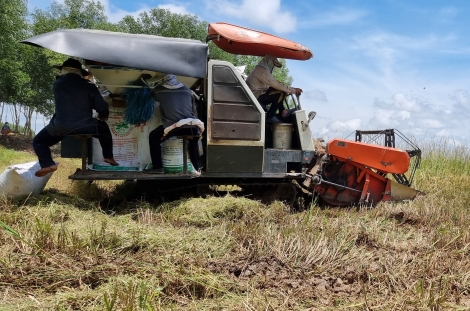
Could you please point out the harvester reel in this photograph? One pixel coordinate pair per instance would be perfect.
(356, 173)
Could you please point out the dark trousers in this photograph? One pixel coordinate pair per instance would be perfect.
(43, 140)
(156, 138)
(273, 97)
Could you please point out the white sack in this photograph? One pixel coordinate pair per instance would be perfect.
(130, 144)
(19, 179)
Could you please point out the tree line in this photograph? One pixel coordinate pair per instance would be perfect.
(26, 73)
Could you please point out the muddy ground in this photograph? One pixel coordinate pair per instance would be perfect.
(17, 142)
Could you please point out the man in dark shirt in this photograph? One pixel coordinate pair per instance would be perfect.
(6, 129)
(176, 104)
(75, 98)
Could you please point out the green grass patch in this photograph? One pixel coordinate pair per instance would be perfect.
(9, 157)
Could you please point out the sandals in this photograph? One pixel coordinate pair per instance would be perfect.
(111, 161)
(46, 170)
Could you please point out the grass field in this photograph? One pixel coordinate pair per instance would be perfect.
(67, 250)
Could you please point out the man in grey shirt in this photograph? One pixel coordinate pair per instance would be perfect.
(176, 103)
(269, 91)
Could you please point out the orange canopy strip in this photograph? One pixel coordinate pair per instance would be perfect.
(244, 41)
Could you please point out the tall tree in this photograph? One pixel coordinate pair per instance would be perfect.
(70, 14)
(37, 96)
(13, 15)
(162, 22)
(38, 62)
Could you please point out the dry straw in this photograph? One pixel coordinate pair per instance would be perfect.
(95, 247)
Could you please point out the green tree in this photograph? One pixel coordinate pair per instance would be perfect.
(38, 62)
(38, 94)
(162, 22)
(13, 24)
(70, 14)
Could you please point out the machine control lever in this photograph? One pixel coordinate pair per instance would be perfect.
(311, 116)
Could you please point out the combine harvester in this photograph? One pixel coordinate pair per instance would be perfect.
(238, 147)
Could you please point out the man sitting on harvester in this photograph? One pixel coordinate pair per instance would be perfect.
(176, 104)
(75, 99)
(268, 90)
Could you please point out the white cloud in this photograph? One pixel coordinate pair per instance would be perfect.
(403, 105)
(404, 115)
(348, 125)
(461, 98)
(457, 51)
(337, 128)
(386, 118)
(385, 50)
(266, 13)
(323, 131)
(116, 14)
(431, 123)
(338, 16)
(443, 133)
(421, 117)
(178, 9)
(316, 95)
(407, 104)
(448, 13)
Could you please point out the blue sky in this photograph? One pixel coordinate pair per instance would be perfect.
(377, 64)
